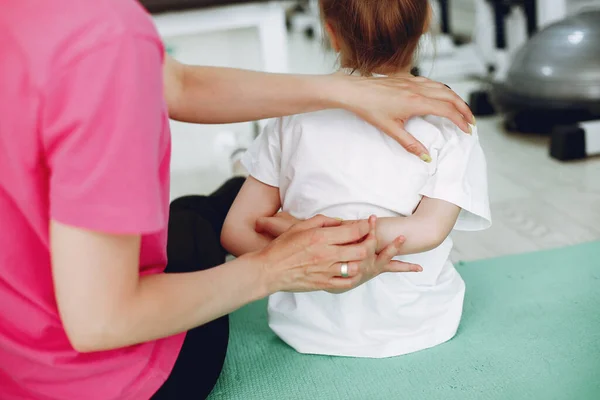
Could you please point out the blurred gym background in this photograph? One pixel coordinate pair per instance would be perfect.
(530, 69)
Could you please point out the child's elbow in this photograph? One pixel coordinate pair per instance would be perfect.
(436, 238)
(227, 234)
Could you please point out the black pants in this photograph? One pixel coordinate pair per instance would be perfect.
(195, 224)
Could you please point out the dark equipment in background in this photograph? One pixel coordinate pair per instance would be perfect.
(552, 83)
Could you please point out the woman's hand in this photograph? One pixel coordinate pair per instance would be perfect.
(388, 103)
(309, 256)
(378, 263)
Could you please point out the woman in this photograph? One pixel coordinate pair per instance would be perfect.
(84, 187)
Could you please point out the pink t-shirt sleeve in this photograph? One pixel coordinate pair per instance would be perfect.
(102, 123)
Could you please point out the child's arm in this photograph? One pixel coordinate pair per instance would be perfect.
(255, 200)
(454, 197)
(425, 230)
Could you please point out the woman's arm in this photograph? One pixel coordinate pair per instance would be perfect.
(425, 230)
(255, 200)
(222, 95)
(104, 304)
(215, 95)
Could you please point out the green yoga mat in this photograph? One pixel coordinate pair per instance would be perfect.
(530, 331)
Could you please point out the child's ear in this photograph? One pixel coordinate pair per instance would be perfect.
(333, 39)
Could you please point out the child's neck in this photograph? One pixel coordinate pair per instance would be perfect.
(403, 73)
(389, 71)
(393, 71)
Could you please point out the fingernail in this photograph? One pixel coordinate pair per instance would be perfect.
(474, 120)
(426, 157)
(340, 219)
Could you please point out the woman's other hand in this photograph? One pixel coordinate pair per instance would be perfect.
(378, 263)
(388, 103)
(310, 254)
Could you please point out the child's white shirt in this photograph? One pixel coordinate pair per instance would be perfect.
(334, 163)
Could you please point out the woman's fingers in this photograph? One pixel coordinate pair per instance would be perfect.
(371, 240)
(361, 251)
(351, 257)
(454, 101)
(464, 109)
(340, 285)
(343, 234)
(372, 224)
(453, 105)
(446, 110)
(406, 98)
(444, 92)
(352, 270)
(331, 222)
(397, 132)
(353, 252)
(319, 221)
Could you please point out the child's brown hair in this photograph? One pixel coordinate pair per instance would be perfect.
(376, 35)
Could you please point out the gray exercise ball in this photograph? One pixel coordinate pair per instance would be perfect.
(558, 68)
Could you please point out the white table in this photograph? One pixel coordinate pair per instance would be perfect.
(268, 17)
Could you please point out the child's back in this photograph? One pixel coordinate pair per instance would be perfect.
(334, 163)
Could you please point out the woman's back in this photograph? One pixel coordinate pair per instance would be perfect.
(82, 113)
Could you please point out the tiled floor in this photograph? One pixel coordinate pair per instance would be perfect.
(537, 203)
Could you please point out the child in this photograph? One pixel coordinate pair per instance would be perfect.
(334, 163)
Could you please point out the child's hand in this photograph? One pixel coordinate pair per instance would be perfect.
(276, 225)
(282, 222)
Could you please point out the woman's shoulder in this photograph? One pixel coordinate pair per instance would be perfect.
(73, 29)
